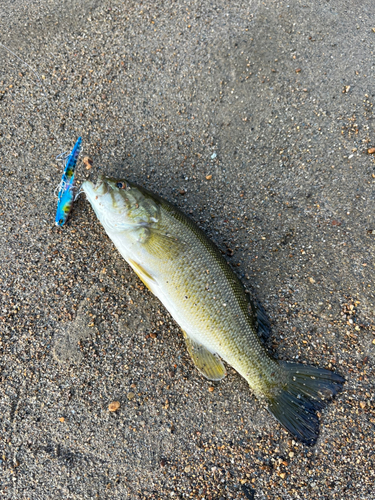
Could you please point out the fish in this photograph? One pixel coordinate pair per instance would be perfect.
(188, 274)
(66, 194)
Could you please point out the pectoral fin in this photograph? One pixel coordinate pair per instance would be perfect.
(162, 244)
(210, 365)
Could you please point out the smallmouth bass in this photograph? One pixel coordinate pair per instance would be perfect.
(188, 274)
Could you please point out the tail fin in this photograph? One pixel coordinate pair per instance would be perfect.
(305, 392)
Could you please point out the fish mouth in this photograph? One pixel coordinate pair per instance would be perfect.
(99, 182)
(101, 186)
(93, 191)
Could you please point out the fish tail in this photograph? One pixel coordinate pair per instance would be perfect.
(306, 391)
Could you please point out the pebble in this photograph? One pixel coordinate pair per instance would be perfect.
(87, 162)
(114, 406)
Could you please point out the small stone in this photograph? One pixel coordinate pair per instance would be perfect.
(282, 475)
(298, 70)
(187, 468)
(62, 419)
(312, 280)
(130, 395)
(114, 406)
(153, 335)
(211, 389)
(209, 177)
(291, 454)
(371, 151)
(87, 162)
(362, 404)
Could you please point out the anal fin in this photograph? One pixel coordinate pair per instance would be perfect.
(209, 364)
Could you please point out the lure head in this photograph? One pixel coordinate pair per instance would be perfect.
(64, 206)
(120, 205)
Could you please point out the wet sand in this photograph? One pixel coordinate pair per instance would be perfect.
(255, 120)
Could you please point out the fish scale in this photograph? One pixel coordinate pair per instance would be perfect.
(209, 321)
(188, 274)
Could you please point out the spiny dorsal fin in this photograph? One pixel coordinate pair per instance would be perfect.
(210, 365)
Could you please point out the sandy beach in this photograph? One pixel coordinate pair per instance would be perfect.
(256, 119)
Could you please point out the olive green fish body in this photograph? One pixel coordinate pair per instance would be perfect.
(206, 299)
(188, 274)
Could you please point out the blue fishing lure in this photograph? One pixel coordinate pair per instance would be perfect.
(65, 197)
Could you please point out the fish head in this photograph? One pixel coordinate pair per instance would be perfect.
(120, 205)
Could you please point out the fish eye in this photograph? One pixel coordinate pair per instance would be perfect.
(121, 185)
(61, 222)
